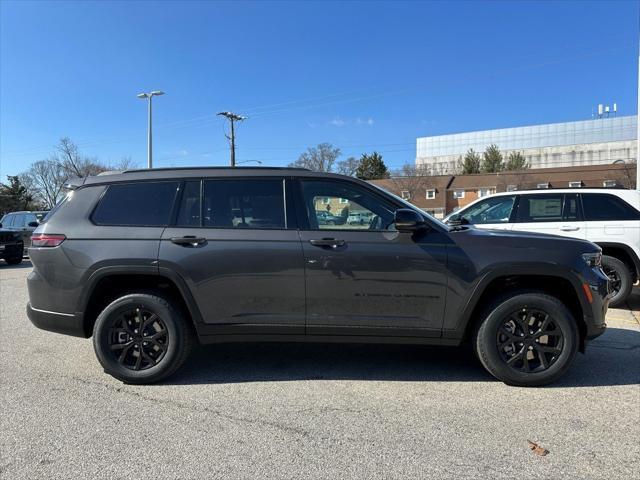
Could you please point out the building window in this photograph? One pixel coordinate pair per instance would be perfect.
(458, 194)
(575, 184)
(326, 200)
(610, 183)
(431, 194)
(543, 185)
(406, 194)
(484, 192)
(512, 188)
(344, 200)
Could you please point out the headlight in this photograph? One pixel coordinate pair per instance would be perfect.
(593, 259)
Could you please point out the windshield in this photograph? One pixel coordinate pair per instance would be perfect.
(411, 206)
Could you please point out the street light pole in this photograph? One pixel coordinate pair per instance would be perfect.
(149, 96)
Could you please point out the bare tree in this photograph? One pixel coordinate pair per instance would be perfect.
(74, 164)
(125, 163)
(348, 166)
(411, 178)
(319, 159)
(48, 177)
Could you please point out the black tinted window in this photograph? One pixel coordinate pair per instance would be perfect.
(141, 204)
(243, 204)
(189, 213)
(603, 207)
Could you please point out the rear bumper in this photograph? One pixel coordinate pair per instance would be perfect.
(65, 323)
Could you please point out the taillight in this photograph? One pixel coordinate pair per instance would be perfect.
(47, 239)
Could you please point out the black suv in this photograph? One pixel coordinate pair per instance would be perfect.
(23, 223)
(11, 246)
(148, 261)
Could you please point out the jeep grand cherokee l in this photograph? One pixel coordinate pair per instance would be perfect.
(148, 261)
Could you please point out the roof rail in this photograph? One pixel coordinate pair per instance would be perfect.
(164, 169)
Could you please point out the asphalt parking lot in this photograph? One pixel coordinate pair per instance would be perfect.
(311, 411)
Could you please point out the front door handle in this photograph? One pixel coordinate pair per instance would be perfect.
(569, 228)
(327, 242)
(188, 240)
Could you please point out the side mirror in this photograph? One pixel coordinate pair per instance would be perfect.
(454, 219)
(407, 220)
(33, 224)
(0, 225)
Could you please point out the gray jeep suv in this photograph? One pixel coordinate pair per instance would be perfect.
(149, 261)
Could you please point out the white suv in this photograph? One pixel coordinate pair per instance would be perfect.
(607, 217)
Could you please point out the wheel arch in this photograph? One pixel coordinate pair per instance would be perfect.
(556, 283)
(109, 283)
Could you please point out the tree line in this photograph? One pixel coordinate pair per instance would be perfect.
(491, 161)
(42, 185)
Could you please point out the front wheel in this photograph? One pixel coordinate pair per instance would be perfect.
(14, 260)
(527, 339)
(141, 338)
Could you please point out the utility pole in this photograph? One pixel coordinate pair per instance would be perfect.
(149, 96)
(232, 117)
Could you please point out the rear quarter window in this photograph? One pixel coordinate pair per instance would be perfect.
(605, 207)
(145, 204)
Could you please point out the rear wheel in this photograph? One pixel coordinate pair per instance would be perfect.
(141, 338)
(527, 339)
(619, 277)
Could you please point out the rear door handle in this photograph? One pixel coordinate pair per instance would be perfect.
(569, 228)
(327, 242)
(188, 240)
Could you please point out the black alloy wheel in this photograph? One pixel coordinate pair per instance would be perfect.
(138, 339)
(529, 340)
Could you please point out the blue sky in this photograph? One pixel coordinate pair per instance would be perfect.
(362, 75)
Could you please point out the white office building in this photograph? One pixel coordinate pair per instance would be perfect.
(586, 142)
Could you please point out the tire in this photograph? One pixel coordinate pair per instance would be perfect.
(496, 348)
(14, 260)
(621, 279)
(159, 354)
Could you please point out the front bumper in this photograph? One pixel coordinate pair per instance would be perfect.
(599, 285)
(65, 323)
(8, 250)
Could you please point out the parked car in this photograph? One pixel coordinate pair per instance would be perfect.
(609, 218)
(326, 218)
(148, 261)
(358, 218)
(23, 222)
(11, 246)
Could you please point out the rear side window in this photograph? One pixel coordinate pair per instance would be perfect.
(190, 206)
(604, 207)
(242, 204)
(140, 204)
(540, 208)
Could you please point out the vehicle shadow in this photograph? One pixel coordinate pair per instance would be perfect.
(25, 264)
(613, 359)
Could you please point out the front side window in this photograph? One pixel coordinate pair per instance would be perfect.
(7, 220)
(604, 207)
(363, 210)
(244, 204)
(540, 208)
(146, 204)
(18, 220)
(491, 210)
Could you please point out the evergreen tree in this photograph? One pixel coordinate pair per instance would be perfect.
(372, 167)
(14, 196)
(492, 160)
(516, 161)
(470, 164)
